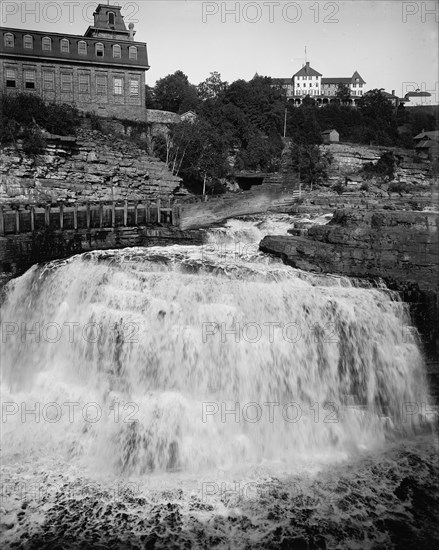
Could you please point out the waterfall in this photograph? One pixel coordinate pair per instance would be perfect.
(198, 358)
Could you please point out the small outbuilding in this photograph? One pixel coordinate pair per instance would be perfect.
(427, 144)
(189, 116)
(330, 136)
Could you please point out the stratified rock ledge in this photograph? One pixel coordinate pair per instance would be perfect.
(400, 247)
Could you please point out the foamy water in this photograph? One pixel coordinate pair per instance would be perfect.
(185, 366)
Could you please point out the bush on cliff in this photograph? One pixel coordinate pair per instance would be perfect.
(398, 187)
(24, 116)
(310, 163)
(384, 168)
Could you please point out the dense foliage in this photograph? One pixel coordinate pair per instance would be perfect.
(384, 169)
(24, 116)
(244, 123)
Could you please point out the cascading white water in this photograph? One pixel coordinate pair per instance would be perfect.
(312, 368)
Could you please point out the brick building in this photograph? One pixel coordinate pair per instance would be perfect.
(102, 71)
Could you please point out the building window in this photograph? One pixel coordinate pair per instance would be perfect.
(9, 40)
(84, 83)
(47, 44)
(48, 81)
(29, 80)
(118, 86)
(28, 42)
(101, 84)
(66, 82)
(11, 78)
(117, 51)
(134, 87)
(99, 50)
(133, 52)
(111, 18)
(82, 47)
(65, 46)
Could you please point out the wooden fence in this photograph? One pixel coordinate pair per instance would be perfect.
(27, 218)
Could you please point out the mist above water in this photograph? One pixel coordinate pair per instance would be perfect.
(196, 359)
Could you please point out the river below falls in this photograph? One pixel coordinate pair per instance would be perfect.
(212, 397)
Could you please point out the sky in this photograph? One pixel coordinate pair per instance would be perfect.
(392, 44)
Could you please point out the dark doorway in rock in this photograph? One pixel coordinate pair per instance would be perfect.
(246, 182)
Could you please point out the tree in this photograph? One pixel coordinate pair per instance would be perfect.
(378, 117)
(308, 161)
(302, 124)
(175, 93)
(375, 106)
(212, 87)
(150, 102)
(197, 152)
(343, 93)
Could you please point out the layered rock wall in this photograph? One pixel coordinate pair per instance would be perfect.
(91, 167)
(20, 252)
(349, 159)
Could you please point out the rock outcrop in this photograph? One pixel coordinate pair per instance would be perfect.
(349, 160)
(402, 248)
(90, 167)
(20, 252)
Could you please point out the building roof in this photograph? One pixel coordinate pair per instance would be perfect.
(427, 144)
(434, 135)
(327, 132)
(306, 70)
(417, 94)
(389, 95)
(281, 81)
(343, 79)
(188, 115)
(335, 80)
(73, 57)
(357, 75)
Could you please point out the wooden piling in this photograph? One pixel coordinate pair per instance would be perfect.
(159, 211)
(17, 220)
(125, 213)
(47, 215)
(113, 214)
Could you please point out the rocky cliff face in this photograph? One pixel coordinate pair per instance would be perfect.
(349, 159)
(90, 167)
(402, 248)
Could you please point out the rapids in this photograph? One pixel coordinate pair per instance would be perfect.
(215, 362)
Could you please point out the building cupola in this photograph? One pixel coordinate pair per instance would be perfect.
(109, 23)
